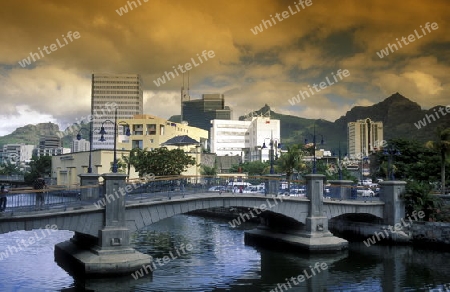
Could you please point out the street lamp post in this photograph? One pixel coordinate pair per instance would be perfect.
(391, 151)
(90, 146)
(278, 146)
(362, 167)
(102, 138)
(339, 162)
(272, 143)
(314, 147)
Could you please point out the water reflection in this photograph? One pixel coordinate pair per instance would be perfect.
(219, 261)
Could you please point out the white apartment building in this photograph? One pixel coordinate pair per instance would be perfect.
(245, 138)
(364, 137)
(262, 132)
(125, 92)
(17, 153)
(80, 145)
(228, 137)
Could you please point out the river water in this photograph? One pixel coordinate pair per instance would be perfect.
(206, 254)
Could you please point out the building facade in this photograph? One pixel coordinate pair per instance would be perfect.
(262, 132)
(199, 112)
(364, 137)
(148, 131)
(228, 137)
(16, 153)
(80, 145)
(111, 92)
(50, 145)
(67, 167)
(249, 139)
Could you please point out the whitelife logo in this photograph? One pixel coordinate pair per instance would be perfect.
(165, 260)
(285, 14)
(340, 73)
(306, 275)
(411, 38)
(188, 66)
(124, 9)
(245, 216)
(423, 123)
(397, 227)
(22, 243)
(53, 47)
(123, 191)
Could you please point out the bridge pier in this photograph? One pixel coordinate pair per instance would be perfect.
(110, 253)
(394, 205)
(341, 189)
(272, 184)
(89, 179)
(314, 237)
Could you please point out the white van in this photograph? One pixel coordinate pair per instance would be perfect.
(237, 186)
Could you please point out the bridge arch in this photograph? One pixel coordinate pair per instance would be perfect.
(140, 215)
(90, 220)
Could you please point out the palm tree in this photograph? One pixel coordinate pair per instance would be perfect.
(209, 172)
(290, 161)
(441, 145)
(130, 159)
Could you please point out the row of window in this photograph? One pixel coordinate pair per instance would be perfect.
(115, 92)
(114, 97)
(116, 87)
(99, 80)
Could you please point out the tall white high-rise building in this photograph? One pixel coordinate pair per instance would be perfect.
(364, 137)
(123, 92)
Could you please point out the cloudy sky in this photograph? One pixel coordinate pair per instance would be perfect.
(304, 46)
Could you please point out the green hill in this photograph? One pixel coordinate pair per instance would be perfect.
(398, 114)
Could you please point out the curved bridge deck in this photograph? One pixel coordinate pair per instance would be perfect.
(144, 209)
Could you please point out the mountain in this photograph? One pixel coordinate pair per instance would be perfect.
(296, 129)
(398, 114)
(30, 134)
(400, 117)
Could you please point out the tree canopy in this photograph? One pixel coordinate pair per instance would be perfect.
(252, 168)
(414, 162)
(160, 161)
(39, 166)
(442, 146)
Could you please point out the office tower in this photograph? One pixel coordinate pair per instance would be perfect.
(200, 112)
(364, 137)
(110, 91)
(184, 97)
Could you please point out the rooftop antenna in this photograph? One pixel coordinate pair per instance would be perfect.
(182, 99)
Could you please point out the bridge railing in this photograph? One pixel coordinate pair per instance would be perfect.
(53, 198)
(164, 187)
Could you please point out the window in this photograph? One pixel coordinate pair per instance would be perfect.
(151, 129)
(137, 144)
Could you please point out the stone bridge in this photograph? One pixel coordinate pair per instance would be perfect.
(89, 219)
(101, 244)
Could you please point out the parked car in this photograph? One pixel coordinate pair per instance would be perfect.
(217, 189)
(294, 192)
(298, 192)
(365, 193)
(254, 189)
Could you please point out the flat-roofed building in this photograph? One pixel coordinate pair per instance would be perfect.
(123, 92)
(364, 137)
